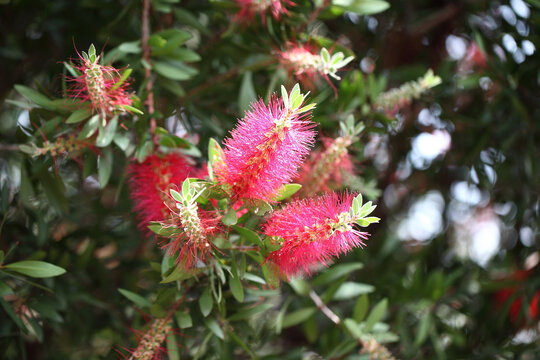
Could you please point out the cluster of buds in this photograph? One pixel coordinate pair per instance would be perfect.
(189, 227)
(266, 148)
(329, 166)
(314, 230)
(71, 146)
(249, 8)
(150, 343)
(393, 100)
(305, 63)
(104, 87)
(375, 350)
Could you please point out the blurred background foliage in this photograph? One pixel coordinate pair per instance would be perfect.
(452, 268)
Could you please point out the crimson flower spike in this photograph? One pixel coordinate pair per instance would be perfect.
(104, 87)
(267, 147)
(314, 230)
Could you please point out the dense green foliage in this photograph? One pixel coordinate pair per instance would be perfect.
(451, 271)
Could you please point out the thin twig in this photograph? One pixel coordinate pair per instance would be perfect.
(325, 309)
(9, 147)
(145, 30)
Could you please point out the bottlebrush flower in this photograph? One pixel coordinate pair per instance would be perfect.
(190, 228)
(102, 86)
(305, 63)
(313, 230)
(150, 182)
(266, 148)
(150, 343)
(249, 8)
(326, 168)
(392, 100)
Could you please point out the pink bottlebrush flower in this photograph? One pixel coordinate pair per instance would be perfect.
(306, 64)
(249, 8)
(312, 231)
(102, 86)
(265, 149)
(325, 167)
(302, 61)
(191, 228)
(150, 182)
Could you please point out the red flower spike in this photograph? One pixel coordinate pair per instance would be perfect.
(150, 182)
(313, 231)
(326, 166)
(249, 8)
(266, 148)
(102, 86)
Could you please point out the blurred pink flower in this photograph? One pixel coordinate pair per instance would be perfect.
(249, 8)
(312, 231)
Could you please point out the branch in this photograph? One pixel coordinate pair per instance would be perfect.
(325, 309)
(145, 30)
(9, 147)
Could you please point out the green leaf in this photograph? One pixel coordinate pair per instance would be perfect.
(249, 235)
(236, 285)
(230, 218)
(5, 289)
(287, 191)
(361, 308)
(78, 116)
(335, 272)
(132, 47)
(423, 330)
(35, 97)
(105, 166)
(246, 313)
(206, 302)
(213, 325)
(174, 71)
(176, 195)
(179, 274)
(132, 109)
(89, 128)
(135, 298)
(35, 269)
(247, 93)
(172, 347)
(301, 287)
(349, 290)
(183, 319)
(1, 256)
(106, 134)
(376, 314)
(298, 316)
(362, 7)
(353, 328)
